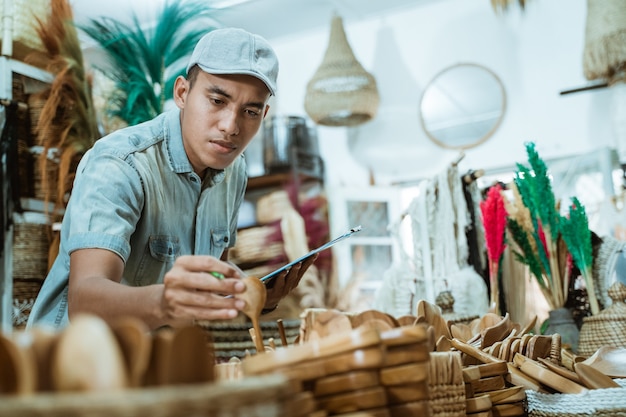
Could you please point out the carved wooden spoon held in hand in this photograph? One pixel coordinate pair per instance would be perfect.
(254, 296)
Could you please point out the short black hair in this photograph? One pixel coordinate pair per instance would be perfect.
(192, 74)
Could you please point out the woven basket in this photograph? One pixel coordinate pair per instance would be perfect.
(605, 39)
(272, 207)
(25, 292)
(597, 402)
(607, 328)
(267, 396)
(255, 245)
(31, 243)
(24, 14)
(341, 92)
(445, 385)
(232, 340)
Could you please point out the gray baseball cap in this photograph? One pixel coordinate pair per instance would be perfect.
(236, 51)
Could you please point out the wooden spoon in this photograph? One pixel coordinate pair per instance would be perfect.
(592, 378)
(88, 358)
(254, 296)
(133, 336)
(609, 360)
(17, 375)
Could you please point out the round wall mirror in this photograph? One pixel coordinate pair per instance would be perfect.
(462, 106)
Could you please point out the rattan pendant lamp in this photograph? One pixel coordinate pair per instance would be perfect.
(341, 92)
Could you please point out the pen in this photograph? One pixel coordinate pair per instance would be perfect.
(217, 275)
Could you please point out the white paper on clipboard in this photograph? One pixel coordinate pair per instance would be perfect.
(311, 253)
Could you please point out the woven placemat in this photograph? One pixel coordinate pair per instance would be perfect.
(595, 402)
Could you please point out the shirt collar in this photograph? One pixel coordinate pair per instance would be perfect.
(178, 157)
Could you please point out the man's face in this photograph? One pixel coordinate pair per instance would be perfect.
(220, 114)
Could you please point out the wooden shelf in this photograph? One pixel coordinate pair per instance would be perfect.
(277, 180)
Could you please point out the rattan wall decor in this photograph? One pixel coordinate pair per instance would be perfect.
(604, 56)
(341, 92)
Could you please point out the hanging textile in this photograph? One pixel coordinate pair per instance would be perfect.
(9, 174)
(439, 221)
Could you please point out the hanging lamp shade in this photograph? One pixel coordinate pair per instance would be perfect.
(341, 92)
(604, 54)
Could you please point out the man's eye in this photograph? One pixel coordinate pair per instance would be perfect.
(217, 101)
(252, 113)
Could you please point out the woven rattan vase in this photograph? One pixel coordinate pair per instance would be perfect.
(341, 92)
(605, 39)
(607, 328)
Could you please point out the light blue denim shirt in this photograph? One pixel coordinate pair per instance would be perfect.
(135, 193)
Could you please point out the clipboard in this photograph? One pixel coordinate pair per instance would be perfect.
(325, 246)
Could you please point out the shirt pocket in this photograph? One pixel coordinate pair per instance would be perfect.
(219, 241)
(164, 248)
(159, 257)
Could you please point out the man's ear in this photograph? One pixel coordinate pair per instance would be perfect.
(181, 89)
(267, 108)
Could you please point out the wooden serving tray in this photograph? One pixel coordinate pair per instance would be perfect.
(398, 355)
(412, 409)
(489, 383)
(404, 374)
(399, 394)
(475, 372)
(354, 401)
(478, 404)
(407, 335)
(323, 348)
(349, 381)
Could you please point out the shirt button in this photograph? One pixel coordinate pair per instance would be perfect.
(193, 179)
(225, 239)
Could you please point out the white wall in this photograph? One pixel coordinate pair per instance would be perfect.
(536, 53)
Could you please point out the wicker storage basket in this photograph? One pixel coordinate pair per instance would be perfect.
(25, 292)
(267, 396)
(31, 243)
(446, 387)
(232, 340)
(596, 402)
(607, 328)
(256, 245)
(24, 33)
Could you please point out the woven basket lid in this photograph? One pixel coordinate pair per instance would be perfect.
(341, 92)
(615, 312)
(604, 55)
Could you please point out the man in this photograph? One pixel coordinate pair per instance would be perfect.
(154, 206)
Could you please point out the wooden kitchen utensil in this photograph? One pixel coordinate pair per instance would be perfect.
(133, 337)
(254, 296)
(561, 370)
(592, 378)
(17, 368)
(609, 360)
(88, 358)
(547, 377)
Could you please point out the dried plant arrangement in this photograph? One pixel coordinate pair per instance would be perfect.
(67, 123)
(143, 63)
(575, 230)
(533, 224)
(494, 222)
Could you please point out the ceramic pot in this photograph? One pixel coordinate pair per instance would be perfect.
(561, 321)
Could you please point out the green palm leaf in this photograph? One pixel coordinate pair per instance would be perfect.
(144, 62)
